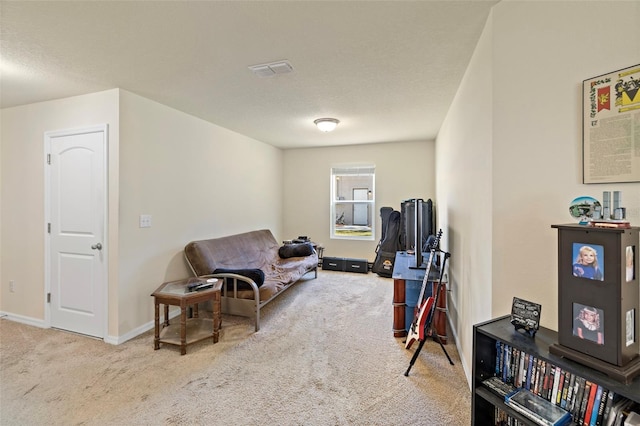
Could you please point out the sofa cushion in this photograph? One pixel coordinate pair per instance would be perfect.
(295, 250)
(257, 275)
(249, 250)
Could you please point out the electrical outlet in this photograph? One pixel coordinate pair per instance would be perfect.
(12, 286)
(145, 221)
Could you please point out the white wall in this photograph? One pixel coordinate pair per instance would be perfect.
(464, 167)
(542, 53)
(403, 170)
(533, 71)
(22, 192)
(196, 179)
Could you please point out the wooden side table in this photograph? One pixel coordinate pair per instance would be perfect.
(176, 293)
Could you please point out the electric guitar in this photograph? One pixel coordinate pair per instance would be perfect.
(417, 329)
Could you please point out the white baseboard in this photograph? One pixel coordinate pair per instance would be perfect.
(463, 361)
(116, 340)
(22, 319)
(113, 340)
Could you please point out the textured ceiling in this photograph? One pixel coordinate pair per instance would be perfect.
(388, 70)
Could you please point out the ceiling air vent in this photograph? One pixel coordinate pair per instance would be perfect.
(273, 68)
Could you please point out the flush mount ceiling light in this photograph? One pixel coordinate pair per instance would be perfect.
(326, 124)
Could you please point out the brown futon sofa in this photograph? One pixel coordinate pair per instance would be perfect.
(254, 266)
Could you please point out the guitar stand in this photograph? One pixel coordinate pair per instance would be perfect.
(429, 327)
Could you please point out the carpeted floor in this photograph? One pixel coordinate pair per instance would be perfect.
(325, 355)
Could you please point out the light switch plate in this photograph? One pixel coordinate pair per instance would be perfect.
(145, 221)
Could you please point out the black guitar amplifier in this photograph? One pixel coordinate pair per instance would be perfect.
(334, 263)
(345, 265)
(356, 265)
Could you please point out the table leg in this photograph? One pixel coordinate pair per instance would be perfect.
(166, 315)
(216, 317)
(183, 328)
(156, 339)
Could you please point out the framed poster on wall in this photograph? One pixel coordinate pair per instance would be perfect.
(611, 112)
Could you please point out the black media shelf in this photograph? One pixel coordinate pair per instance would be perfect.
(500, 330)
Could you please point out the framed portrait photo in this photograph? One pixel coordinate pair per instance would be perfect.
(588, 261)
(588, 323)
(630, 333)
(630, 263)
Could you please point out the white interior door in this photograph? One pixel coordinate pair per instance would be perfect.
(76, 229)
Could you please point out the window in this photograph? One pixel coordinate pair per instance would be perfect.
(353, 202)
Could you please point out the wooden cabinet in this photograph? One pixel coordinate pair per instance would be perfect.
(488, 339)
(603, 289)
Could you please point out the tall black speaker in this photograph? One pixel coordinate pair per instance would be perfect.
(408, 222)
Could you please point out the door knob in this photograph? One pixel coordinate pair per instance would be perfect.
(97, 246)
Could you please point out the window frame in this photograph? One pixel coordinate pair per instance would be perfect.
(341, 172)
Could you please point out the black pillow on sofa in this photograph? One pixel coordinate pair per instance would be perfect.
(295, 250)
(257, 275)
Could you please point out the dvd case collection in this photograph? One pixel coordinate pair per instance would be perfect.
(536, 408)
(586, 402)
(504, 419)
(498, 386)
